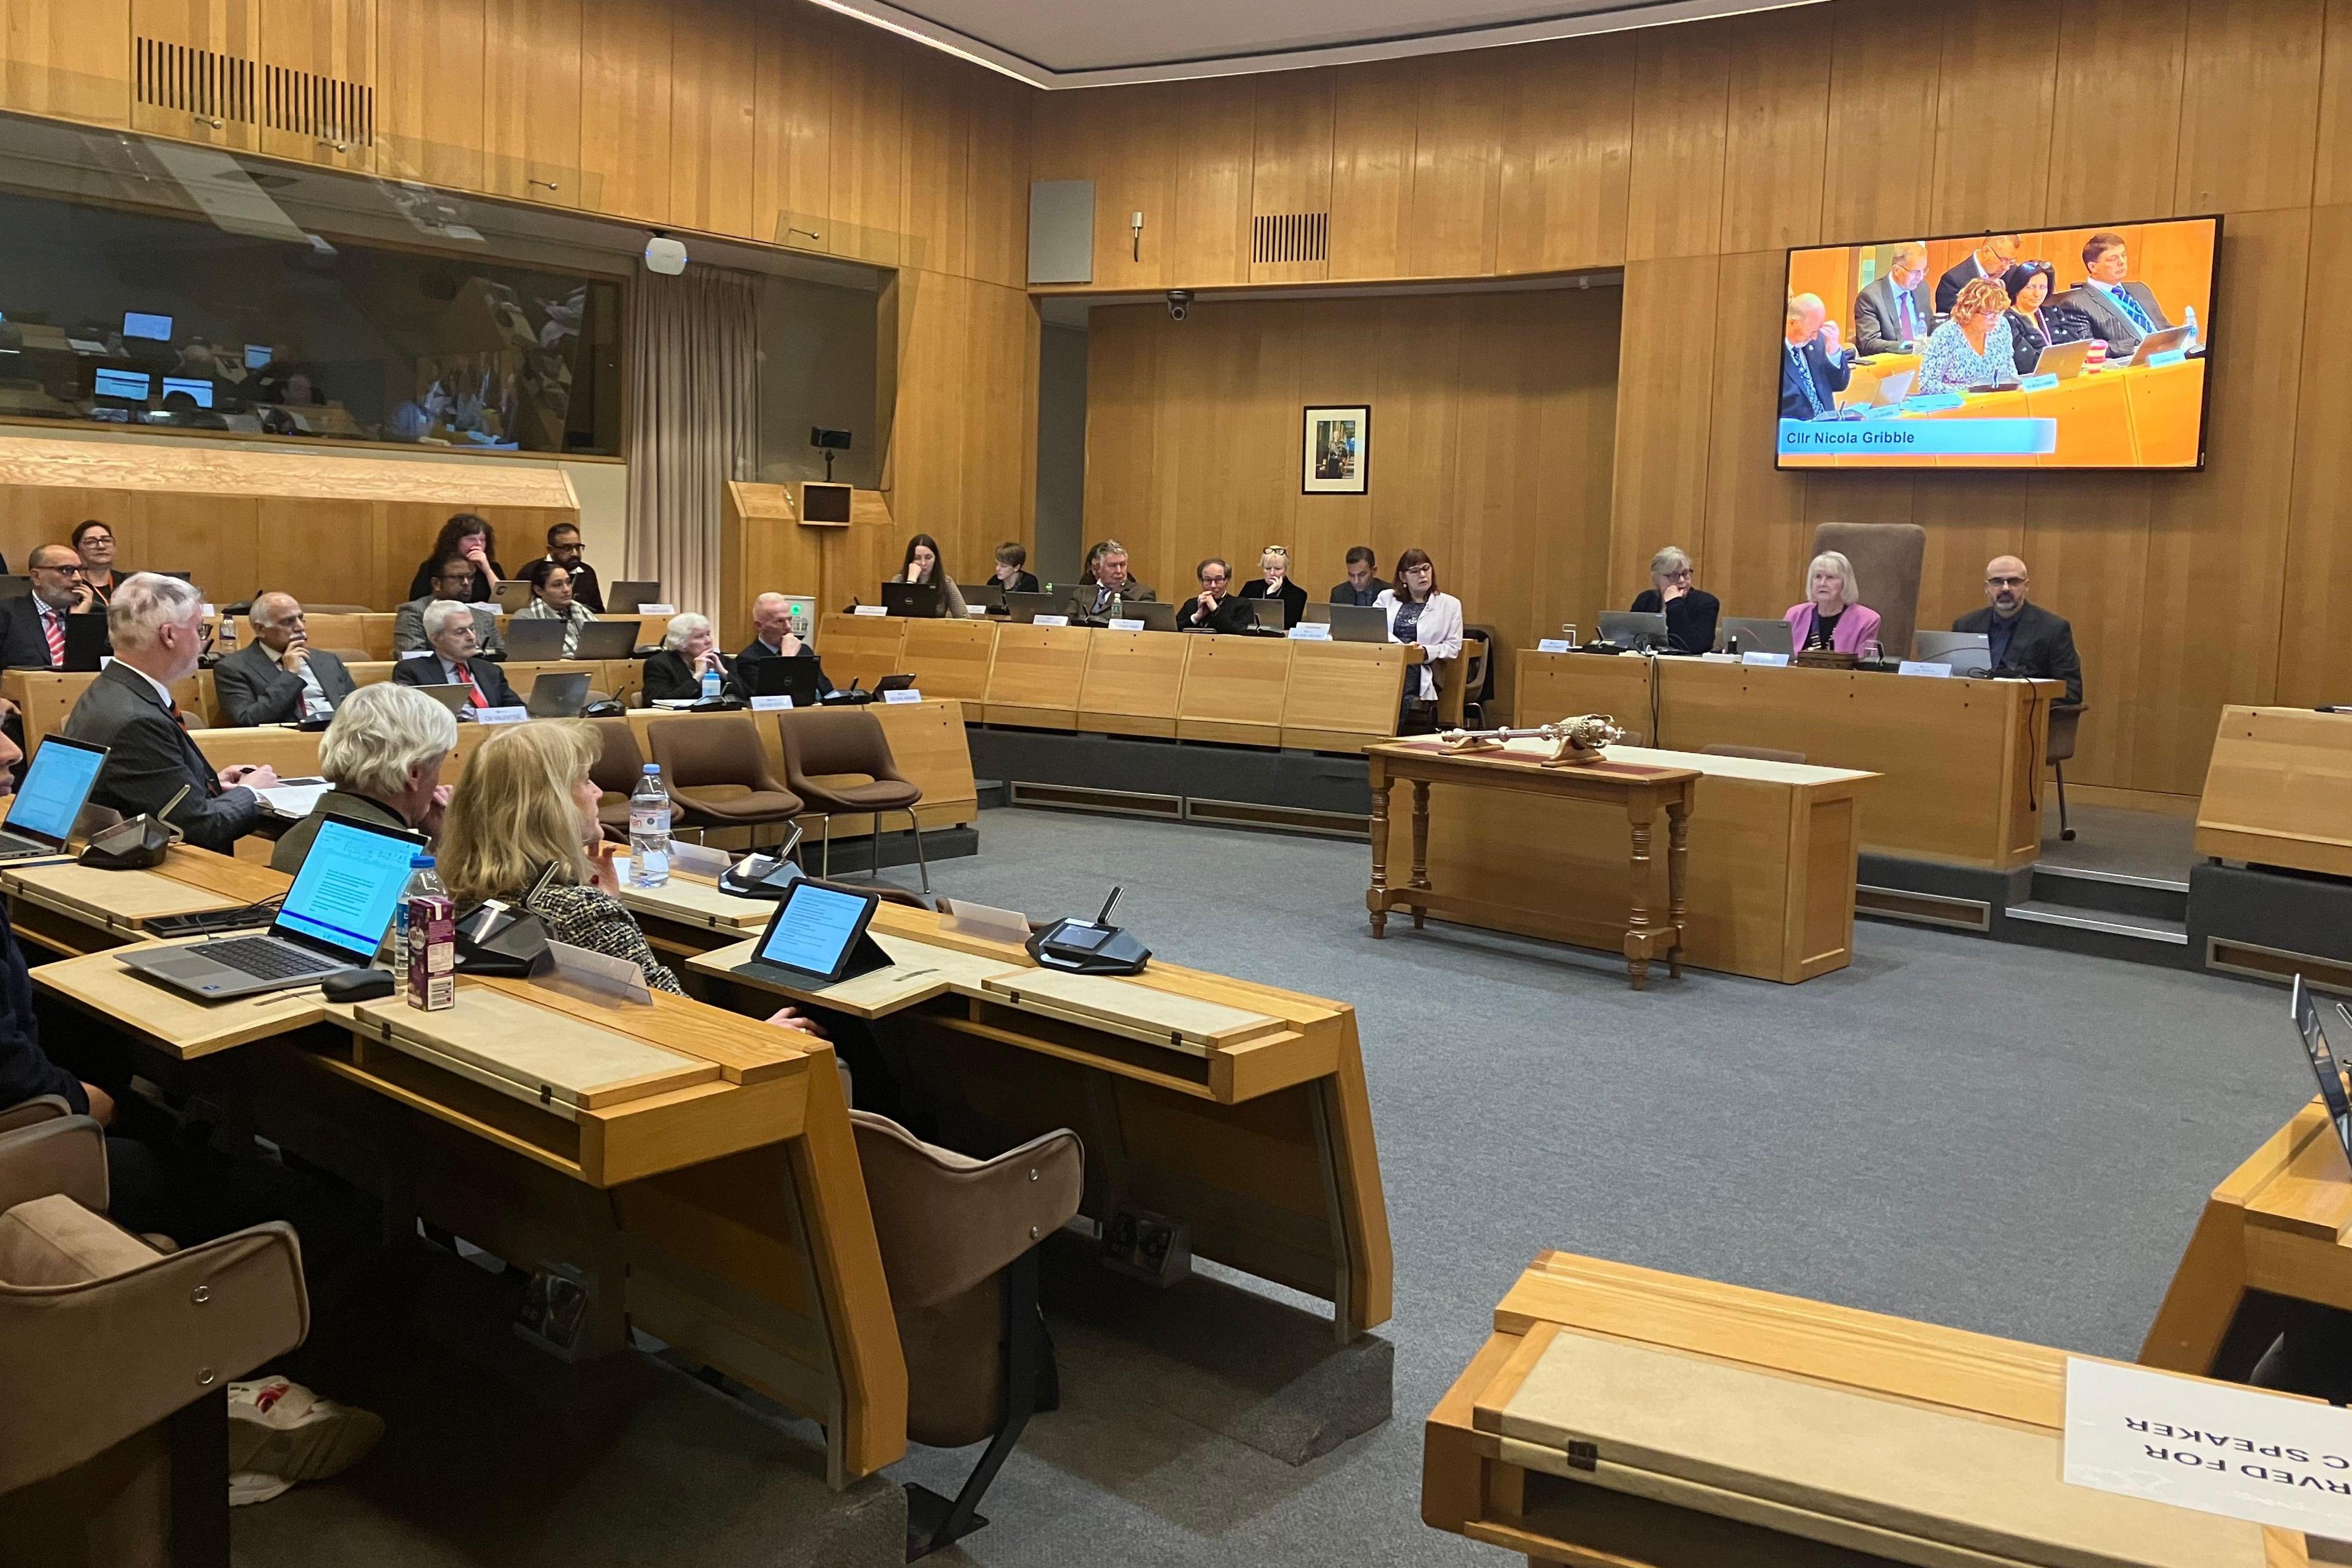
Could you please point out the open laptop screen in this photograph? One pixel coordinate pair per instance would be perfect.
(349, 885)
(2322, 1064)
(56, 782)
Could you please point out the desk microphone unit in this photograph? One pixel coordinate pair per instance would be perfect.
(1089, 947)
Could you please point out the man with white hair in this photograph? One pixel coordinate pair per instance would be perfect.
(383, 754)
(451, 581)
(773, 638)
(157, 624)
(1814, 367)
(453, 658)
(281, 678)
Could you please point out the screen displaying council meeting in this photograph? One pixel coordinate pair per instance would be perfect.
(2075, 348)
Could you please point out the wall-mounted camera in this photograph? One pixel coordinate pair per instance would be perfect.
(828, 442)
(1179, 303)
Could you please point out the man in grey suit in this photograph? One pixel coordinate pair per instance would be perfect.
(1893, 315)
(2121, 312)
(452, 579)
(281, 679)
(157, 624)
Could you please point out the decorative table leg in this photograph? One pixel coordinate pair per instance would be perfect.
(1376, 901)
(1677, 866)
(1420, 846)
(1637, 920)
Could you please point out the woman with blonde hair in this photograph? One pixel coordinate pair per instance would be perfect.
(1975, 348)
(1273, 582)
(1830, 619)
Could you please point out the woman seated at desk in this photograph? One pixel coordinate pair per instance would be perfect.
(1274, 564)
(1828, 619)
(1973, 349)
(2033, 324)
(1690, 612)
(384, 753)
(94, 543)
(688, 647)
(922, 565)
(1418, 613)
(472, 539)
(1011, 573)
(1213, 609)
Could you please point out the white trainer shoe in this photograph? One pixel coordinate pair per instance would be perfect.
(280, 1433)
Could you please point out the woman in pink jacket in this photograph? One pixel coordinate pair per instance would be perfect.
(1830, 619)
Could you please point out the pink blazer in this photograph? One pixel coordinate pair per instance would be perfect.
(1858, 625)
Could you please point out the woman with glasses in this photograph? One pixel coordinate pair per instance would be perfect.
(1418, 613)
(1273, 582)
(94, 543)
(1690, 611)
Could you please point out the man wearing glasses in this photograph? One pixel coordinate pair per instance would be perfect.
(452, 579)
(33, 628)
(2022, 637)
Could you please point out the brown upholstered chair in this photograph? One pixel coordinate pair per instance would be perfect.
(124, 1459)
(1761, 753)
(716, 771)
(615, 771)
(838, 760)
(2064, 722)
(1888, 558)
(32, 1113)
(959, 1240)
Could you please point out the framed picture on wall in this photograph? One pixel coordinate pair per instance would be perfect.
(1338, 451)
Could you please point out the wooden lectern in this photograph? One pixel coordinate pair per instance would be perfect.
(768, 546)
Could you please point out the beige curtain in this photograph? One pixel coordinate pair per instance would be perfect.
(692, 422)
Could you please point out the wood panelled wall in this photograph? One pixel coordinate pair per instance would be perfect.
(1691, 155)
(1491, 432)
(771, 120)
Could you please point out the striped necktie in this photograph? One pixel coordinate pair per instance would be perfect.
(53, 625)
(2130, 307)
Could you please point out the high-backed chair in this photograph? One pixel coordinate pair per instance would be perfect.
(717, 772)
(615, 771)
(2064, 723)
(959, 1240)
(118, 1358)
(1888, 558)
(838, 760)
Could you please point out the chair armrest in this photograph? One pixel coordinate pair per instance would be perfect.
(90, 1364)
(33, 1112)
(947, 1222)
(66, 1155)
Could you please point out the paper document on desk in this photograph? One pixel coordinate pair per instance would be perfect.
(293, 798)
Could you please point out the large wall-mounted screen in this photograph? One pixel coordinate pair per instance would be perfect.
(2075, 348)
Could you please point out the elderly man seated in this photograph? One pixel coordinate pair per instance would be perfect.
(553, 600)
(452, 579)
(383, 754)
(157, 624)
(281, 678)
(453, 659)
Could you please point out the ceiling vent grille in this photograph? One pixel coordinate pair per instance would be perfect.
(203, 82)
(1290, 236)
(322, 107)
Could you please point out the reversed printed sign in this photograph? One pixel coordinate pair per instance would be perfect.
(2211, 1447)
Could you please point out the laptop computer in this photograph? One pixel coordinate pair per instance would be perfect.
(557, 694)
(1968, 653)
(534, 640)
(87, 644)
(56, 786)
(2164, 340)
(1894, 389)
(514, 595)
(2322, 1064)
(1355, 623)
(1155, 616)
(452, 698)
(334, 917)
(792, 678)
(1027, 607)
(989, 596)
(1317, 611)
(626, 597)
(1269, 613)
(921, 600)
(608, 639)
(2063, 360)
(1740, 634)
(1628, 629)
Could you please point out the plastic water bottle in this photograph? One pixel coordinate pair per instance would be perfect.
(2189, 320)
(649, 831)
(711, 684)
(423, 882)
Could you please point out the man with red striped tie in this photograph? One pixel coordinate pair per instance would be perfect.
(33, 629)
(452, 661)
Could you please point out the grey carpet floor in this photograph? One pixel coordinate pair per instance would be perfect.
(1996, 1137)
(2110, 838)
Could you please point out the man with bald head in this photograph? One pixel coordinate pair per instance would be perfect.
(1814, 366)
(773, 638)
(281, 678)
(2022, 637)
(1892, 315)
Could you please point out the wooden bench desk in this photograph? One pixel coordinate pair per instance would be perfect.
(2279, 790)
(1619, 1417)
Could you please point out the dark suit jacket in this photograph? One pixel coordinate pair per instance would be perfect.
(2107, 320)
(1948, 287)
(420, 585)
(1690, 620)
(2039, 645)
(1294, 598)
(294, 844)
(1878, 318)
(1081, 604)
(23, 644)
(1828, 380)
(669, 677)
(254, 690)
(1230, 615)
(427, 671)
(1022, 582)
(148, 757)
(1345, 593)
(751, 659)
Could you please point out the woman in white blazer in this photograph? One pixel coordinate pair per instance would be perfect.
(1418, 613)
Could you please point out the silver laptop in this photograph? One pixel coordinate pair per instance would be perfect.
(1894, 389)
(2063, 360)
(1027, 607)
(626, 597)
(608, 639)
(1269, 613)
(333, 919)
(455, 698)
(1968, 653)
(1155, 616)
(2164, 340)
(56, 786)
(514, 595)
(1757, 636)
(1357, 623)
(534, 640)
(557, 694)
(1628, 628)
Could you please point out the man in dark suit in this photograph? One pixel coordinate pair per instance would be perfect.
(1814, 367)
(773, 638)
(2121, 312)
(1892, 315)
(1363, 584)
(157, 627)
(1111, 585)
(454, 659)
(1992, 256)
(33, 628)
(452, 579)
(2023, 638)
(281, 679)
(564, 550)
